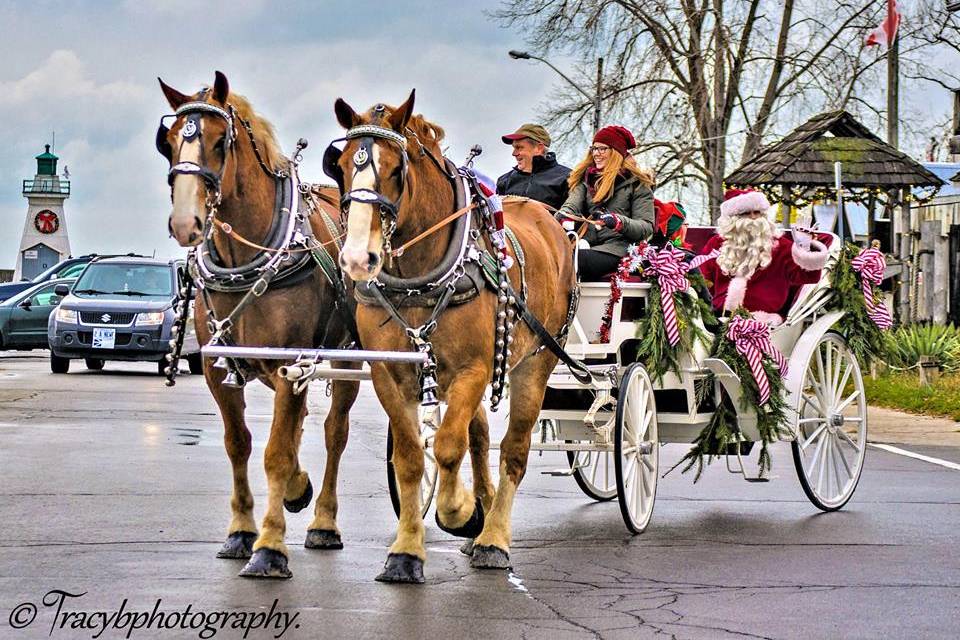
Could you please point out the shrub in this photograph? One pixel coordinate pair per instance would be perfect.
(907, 344)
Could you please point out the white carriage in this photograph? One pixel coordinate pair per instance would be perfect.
(612, 429)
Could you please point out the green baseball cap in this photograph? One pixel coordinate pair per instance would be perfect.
(533, 131)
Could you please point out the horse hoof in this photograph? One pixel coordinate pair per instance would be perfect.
(467, 548)
(471, 528)
(323, 539)
(266, 563)
(403, 568)
(489, 557)
(298, 505)
(239, 546)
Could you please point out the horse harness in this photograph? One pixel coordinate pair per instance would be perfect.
(467, 267)
(291, 251)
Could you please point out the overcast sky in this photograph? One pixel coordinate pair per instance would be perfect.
(88, 70)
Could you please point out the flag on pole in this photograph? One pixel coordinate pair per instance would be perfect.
(886, 33)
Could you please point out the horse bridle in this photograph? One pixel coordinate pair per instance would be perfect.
(193, 131)
(363, 158)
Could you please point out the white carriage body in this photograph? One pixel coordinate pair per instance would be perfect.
(804, 324)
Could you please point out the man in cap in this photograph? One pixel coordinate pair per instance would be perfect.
(537, 174)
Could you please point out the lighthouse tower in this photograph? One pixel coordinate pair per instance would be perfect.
(44, 241)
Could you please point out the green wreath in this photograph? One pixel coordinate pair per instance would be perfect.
(654, 350)
(722, 430)
(863, 336)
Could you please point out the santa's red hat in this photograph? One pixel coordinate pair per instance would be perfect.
(740, 201)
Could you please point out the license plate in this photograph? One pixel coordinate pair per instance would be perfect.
(104, 338)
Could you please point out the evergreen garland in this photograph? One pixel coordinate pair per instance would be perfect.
(722, 429)
(863, 336)
(654, 349)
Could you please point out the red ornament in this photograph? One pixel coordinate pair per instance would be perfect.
(46, 221)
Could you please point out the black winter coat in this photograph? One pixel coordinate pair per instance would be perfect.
(547, 183)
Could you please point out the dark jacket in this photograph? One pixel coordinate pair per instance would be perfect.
(547, 183)
(631, 200)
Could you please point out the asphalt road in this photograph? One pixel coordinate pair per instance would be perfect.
(117, 488)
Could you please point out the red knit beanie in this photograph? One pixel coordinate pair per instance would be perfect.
(616, 137)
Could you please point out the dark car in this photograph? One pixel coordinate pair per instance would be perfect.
(68, 268)
(119, 309)
(24, 316)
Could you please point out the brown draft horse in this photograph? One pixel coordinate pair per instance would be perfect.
(464, 339)
(206, 156)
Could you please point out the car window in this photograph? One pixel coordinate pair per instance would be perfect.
(126, 279)
(45, 297)
(72, 271)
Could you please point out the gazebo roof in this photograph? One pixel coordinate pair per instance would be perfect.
(805, 158)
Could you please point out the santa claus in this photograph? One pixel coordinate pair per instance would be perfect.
(754, 265)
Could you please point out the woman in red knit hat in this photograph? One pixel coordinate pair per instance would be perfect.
(616, 195)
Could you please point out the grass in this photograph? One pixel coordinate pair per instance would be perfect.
(903, 391)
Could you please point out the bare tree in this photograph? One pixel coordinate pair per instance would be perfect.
(702, 82)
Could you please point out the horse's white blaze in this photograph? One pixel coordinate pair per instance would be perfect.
(361, 241)
(187, 204)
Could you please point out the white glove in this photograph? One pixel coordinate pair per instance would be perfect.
(568, 225)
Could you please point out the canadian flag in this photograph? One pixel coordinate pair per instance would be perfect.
(886, 33)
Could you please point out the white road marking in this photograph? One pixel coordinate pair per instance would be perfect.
(918, 456)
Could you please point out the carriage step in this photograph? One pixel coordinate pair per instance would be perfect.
(558, 472)
(753, 479)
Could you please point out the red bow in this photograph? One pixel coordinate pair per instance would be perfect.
(752, 339)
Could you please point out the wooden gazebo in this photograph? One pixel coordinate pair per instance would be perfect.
(799, 169)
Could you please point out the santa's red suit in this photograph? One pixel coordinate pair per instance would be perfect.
(766, 291)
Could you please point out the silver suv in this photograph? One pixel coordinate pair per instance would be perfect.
(119, 309)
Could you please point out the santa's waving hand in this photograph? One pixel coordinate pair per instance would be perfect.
(755, 266)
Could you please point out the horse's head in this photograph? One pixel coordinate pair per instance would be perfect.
(372, 173)
(198, 145)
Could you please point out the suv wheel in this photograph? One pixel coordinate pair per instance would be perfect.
(94, 364)
(195, 360)
(58, 364)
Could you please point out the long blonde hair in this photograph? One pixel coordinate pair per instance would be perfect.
(608, 176)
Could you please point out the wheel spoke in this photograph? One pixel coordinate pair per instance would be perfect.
(647, 463)
(846, 436)
(843, 405)
(813, 402)
(838, 390)
(828, 366)
(817, 463)
(594, 468)
(836, 465)
(824, 466)
(843, 459)
(814, 435)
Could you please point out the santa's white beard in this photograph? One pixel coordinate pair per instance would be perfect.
(747, 245)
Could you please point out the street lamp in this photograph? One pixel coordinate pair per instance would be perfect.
(595, 99)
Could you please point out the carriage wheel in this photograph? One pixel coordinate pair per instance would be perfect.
(428, 484)
(636, 448)
(832, 425)
(594, 473)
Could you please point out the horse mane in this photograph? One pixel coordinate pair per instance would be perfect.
(427, 132)
(263, 132)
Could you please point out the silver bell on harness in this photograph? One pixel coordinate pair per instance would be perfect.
(233, 380)
(221, 363)
(428, 391)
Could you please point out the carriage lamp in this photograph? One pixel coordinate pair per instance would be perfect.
(67, 316)
(149, 318)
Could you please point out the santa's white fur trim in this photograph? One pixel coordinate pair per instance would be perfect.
(810, 260)
(772, 319)
(745, 203)
(736, 292)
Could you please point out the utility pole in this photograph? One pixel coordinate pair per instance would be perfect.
(597, 95)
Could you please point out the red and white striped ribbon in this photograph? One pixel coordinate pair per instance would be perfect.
(667, 265)
(699, 260)
(752, 339)
(870, 264)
